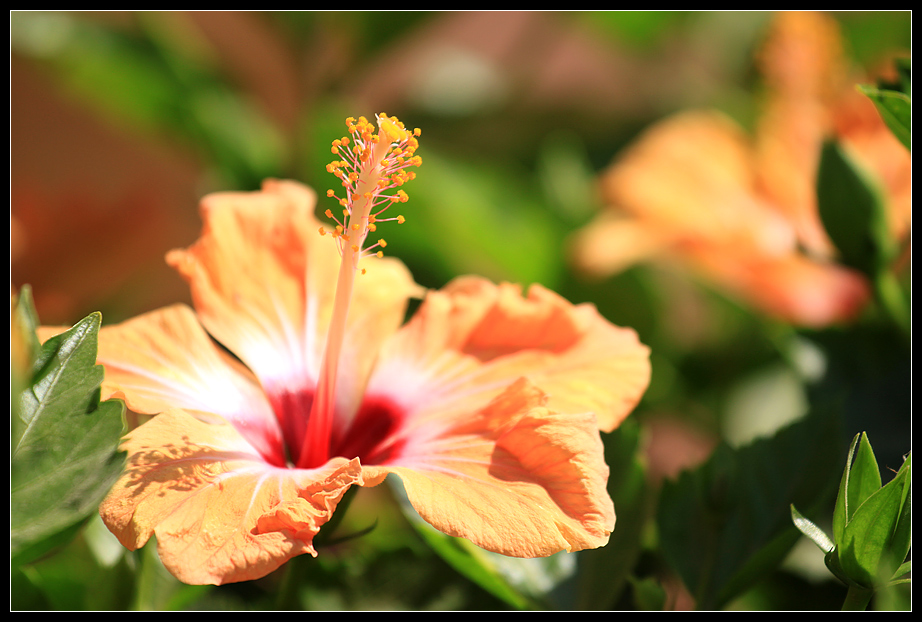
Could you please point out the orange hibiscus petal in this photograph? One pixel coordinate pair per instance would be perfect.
(263, 280)
(472, 339)
(164, 359)
(611, 244)
(692, 177)
(796, 288)
(219, 512)
(514, 478)
(247, 273)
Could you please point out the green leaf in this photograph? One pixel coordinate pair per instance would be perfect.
(867, 541)
(900, 575)
(902, 535)
(67, 457)
(809, 529)
(895, 109)
(860, 479)
(894, 101)
(727, 523)
(853, 211)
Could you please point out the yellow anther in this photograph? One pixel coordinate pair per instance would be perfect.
(379, 254)
(323, 231)
(374, 160)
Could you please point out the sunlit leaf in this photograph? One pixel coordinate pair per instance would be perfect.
(809, 529)
(67, 458)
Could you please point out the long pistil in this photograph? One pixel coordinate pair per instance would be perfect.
(368, 174)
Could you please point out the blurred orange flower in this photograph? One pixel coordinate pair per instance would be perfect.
(741, 212)
(487, 404)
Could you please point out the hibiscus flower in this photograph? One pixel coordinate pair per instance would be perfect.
(740, 211)
(293, 380)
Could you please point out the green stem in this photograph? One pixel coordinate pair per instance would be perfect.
(857, 599)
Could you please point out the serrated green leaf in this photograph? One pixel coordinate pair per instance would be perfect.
(67, 457)
(728, 522)
(809, 529)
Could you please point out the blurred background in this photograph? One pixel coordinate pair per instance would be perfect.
(121, 121)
